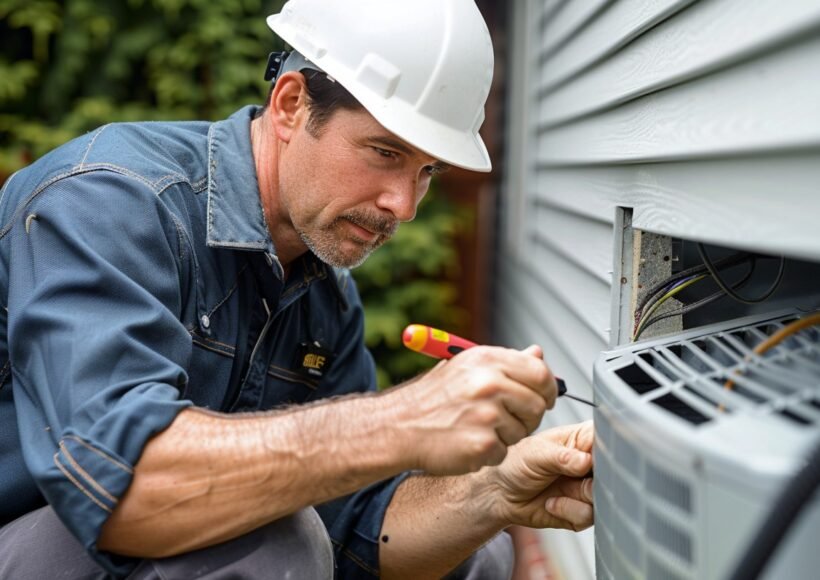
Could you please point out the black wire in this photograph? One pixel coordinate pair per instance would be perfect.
(658, 290)
(731, 293)
(654, 291)
(787, 507)
(702, 302)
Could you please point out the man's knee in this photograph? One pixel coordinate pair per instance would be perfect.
(295, 547)
(37, 544)
(494, 561)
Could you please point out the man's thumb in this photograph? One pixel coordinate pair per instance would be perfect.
(534, 350)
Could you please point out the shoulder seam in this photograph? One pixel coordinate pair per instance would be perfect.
(91, 144)
(74, 171)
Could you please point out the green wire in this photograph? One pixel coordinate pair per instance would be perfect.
(663, 299)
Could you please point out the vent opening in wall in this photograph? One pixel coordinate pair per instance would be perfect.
(674, 284)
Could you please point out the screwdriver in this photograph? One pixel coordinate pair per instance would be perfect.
(444, 345)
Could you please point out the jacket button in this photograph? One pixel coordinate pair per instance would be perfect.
(206, 322)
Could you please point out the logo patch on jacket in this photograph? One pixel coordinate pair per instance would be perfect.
(313, 360)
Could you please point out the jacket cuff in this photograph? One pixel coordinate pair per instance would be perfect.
(87, 478)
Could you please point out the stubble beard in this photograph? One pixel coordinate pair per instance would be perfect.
(326, 242)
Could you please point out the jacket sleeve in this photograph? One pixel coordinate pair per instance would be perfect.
(354, 522)
(97, 348)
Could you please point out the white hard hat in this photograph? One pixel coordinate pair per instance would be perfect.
(422, 68)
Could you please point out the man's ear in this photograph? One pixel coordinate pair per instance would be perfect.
(288, 105)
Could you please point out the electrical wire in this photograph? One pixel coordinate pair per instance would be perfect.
(651, 299)
(785, 510)
(777, 338)
(711, 267)
(703, 301)
(679, 287)
(726, 262)
(658, 290)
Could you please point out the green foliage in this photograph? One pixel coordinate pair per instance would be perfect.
(67, 67)
(412, 280)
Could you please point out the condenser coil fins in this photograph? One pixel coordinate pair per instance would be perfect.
(695, 435)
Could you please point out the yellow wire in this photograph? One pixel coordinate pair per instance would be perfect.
(663, 299)
(778, 337)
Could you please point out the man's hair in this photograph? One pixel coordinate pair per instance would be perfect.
(324, 97)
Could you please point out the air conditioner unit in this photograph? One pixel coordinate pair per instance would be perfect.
(695, 436)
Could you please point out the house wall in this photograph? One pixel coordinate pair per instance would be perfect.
(703, 117)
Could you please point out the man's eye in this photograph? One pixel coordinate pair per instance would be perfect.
(385, 152)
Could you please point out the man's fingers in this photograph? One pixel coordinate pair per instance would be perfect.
(570, 501)
(570, 513)
(534, 350)
(583, 436)
(577, 436)
(573, 488)
(526, 405)
(530, 370)
(523, 367)
(566, 461)
(510, 428)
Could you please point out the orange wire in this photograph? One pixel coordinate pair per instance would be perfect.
(779, 337)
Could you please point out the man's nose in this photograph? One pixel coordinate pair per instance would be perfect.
(401, 198)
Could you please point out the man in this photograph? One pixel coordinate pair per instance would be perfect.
(171, 289)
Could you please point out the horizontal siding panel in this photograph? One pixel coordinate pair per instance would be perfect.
(585, 296)
(566, 23)
(547, 321)
(767, 204)
(555, 188)
(703, 38)
(585, 242)
(618, 25)
(765, 105)
(548, 10)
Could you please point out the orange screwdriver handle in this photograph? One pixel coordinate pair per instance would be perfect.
(434, 342)
(440, 344)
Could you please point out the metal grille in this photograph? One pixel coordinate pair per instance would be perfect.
(701, 379)
(633, 499)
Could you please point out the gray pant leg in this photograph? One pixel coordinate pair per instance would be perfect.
(294, 548)
(38, 547)
(494, 561)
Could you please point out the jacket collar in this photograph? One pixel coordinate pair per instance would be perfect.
(236, 219)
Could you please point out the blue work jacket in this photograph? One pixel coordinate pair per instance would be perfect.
(135, 266)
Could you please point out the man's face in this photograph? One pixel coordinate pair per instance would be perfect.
(345, 190)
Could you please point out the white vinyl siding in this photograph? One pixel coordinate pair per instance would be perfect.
(702, 116)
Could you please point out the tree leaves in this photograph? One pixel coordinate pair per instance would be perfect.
(411, 280)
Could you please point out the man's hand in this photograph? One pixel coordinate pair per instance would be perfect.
(542, 481)
(466, 412)
(436, 522)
